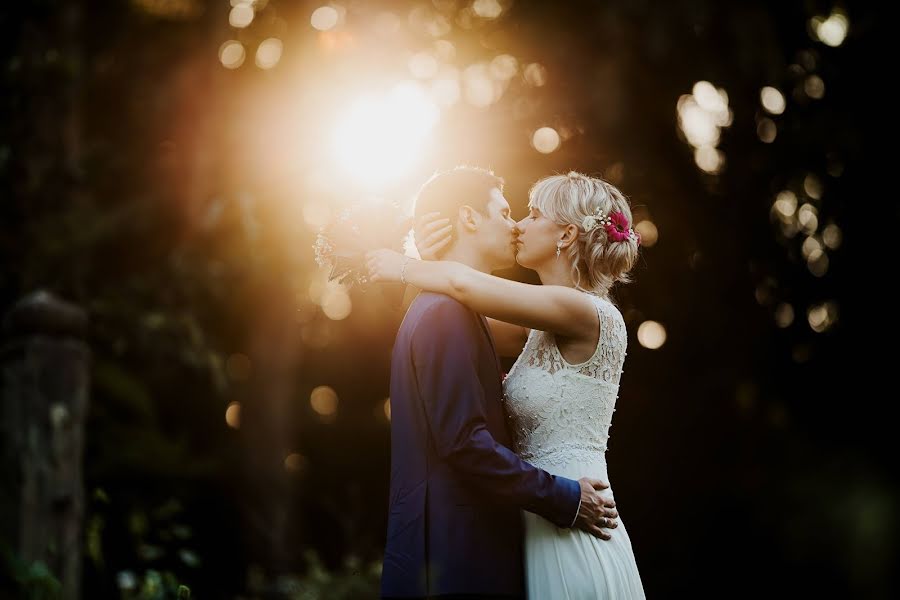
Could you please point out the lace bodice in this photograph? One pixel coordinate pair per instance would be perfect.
(561, 413)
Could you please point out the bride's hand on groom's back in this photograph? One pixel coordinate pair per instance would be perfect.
(596, 514)
(432, 234)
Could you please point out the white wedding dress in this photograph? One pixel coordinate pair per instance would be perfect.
(561, 415)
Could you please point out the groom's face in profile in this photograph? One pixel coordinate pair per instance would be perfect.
(497, 232)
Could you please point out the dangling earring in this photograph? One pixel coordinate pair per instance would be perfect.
(558, 249)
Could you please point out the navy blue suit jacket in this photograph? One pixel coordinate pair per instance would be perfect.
(454, 525)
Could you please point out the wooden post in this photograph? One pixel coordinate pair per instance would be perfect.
(44, 381)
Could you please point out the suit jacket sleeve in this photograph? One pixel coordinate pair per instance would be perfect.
(444, 353)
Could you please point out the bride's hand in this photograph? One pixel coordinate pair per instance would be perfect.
(385, 265)
(432, 234)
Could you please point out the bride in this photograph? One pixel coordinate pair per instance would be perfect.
(570, 340)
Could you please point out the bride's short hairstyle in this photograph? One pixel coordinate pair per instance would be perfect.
(447, 191)
(598, 262)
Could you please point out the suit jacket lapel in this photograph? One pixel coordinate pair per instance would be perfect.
(487, 331)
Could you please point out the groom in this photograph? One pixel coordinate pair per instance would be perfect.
(454, 526)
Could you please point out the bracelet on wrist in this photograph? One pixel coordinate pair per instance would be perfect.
(403, 271)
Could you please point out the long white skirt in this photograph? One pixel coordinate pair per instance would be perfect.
(573, 565)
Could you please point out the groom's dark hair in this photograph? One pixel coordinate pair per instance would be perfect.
(447, 191)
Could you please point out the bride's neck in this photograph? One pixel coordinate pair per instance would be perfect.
(557, 272)
(560, 273)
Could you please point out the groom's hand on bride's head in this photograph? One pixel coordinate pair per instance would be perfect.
(432, 234)
(596, 514)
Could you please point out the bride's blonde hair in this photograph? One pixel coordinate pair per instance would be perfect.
(598, 261)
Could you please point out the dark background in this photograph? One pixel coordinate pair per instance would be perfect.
(165, 194)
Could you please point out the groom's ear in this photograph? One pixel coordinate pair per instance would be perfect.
(469, 218)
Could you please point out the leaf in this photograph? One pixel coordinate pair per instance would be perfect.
(344, 265)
